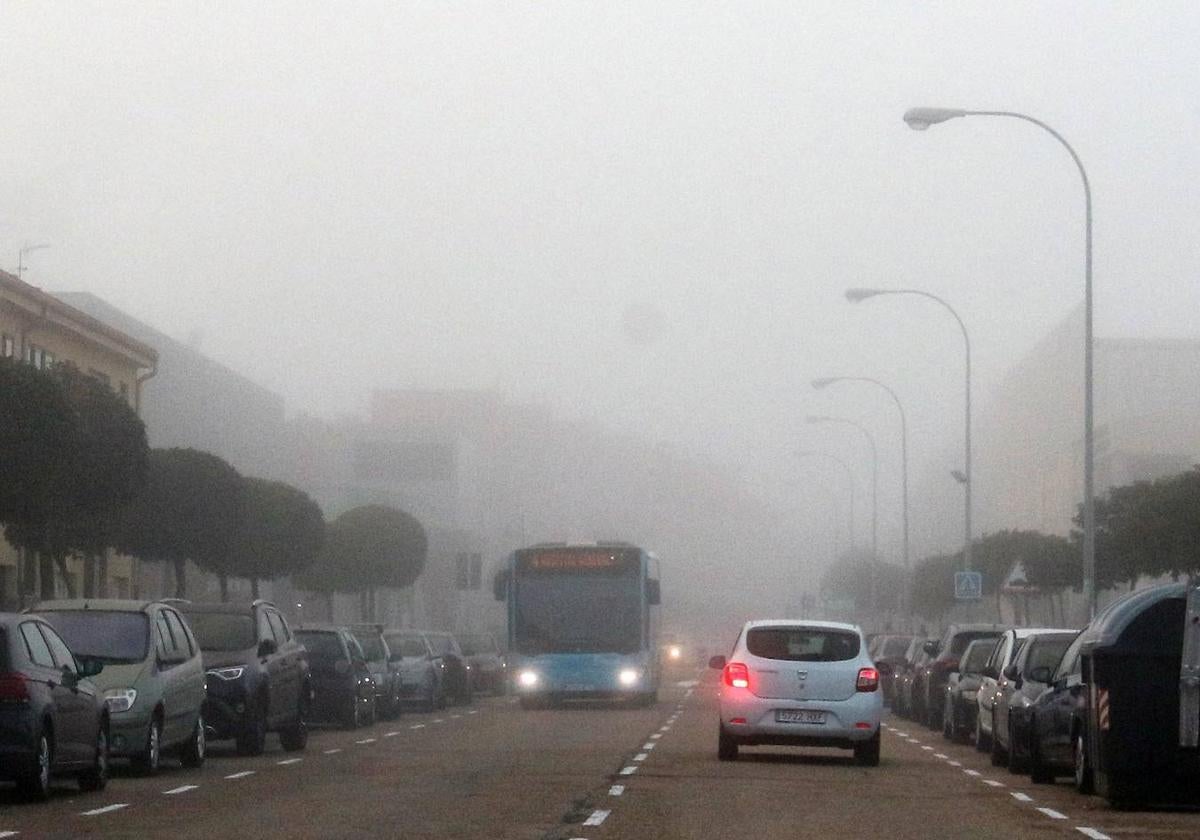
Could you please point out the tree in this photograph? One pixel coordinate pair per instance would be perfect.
(933, 585)
(191, 509)
(366, 548)
(1051, 563)
(37, 433)
(282, 532)
(851, 577)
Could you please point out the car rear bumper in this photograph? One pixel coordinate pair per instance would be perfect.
(16, 742)
(846, 722)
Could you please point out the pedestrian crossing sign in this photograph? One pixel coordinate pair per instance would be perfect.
(968, 586)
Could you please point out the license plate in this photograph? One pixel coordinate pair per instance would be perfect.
(799, 716)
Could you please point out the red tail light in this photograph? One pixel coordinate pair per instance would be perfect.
(14, 688)
(868, 680)
(736, 675)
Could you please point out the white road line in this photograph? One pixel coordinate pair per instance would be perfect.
(993, 783)
(901, 734)
(972, 772)
(954, 763)
(1095, 834)
(241, 775)
(655, 736)
(942, 756)
(597, 818)
(180, 789)
(455, 717)
(616, 790)
(628, 771)
(439, 720)
(366, 741)
(287, 761)
(473, 712)
(1021, 797)
(641, 757)
(649, 745)
(1052, 814)
(391, 734)
(107, 809)
(417, 726)
(930, 749)
(332, 751)
(9, 833)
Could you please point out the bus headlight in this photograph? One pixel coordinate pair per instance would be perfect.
(628, 677)
(527, 679)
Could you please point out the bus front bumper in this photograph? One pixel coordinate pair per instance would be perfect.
(584, 676)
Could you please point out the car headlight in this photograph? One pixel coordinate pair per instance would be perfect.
(528, 679)
(628, 677)
(227, 674)
(120, 699)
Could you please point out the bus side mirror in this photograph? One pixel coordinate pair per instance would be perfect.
(653, 593)
(500, 585)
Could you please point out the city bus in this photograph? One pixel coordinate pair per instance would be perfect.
(582, 622)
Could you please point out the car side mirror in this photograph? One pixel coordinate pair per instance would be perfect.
(341, 667)
(267, 647)
(89, 667)
(717, 662)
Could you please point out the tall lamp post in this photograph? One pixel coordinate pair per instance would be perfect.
(27, 249)
(859, 295)
(808, 453)
(920, 119)
(831, 380)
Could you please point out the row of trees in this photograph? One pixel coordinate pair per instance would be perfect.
(78, 478)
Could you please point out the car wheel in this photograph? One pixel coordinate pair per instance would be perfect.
(34, 784)
(147, 760)
(727, 746)
(193, 752)
(1083, 770)
(982, 742)
(96, 777)
(252, 740)
(866, 753)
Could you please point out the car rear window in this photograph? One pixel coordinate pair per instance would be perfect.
(803, 644)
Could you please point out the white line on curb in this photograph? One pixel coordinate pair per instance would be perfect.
(107, 809)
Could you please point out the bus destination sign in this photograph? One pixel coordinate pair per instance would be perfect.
(573, 560)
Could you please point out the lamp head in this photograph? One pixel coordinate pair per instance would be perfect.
(919, 119)
(824, 382)
(858, 295)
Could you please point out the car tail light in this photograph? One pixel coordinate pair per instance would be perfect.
(737, 675)
(14, 688)
(868, 680)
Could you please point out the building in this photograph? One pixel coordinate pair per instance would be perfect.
(42, 330)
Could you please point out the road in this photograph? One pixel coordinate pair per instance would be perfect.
(495, 771)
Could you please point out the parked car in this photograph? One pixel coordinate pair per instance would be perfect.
(946, 653)
(257, 674)
(421, 671)
(456, 675)
(960, 707)
(343, 689)
(1007, 650)
(918, 683)
(799, 683)
(488, 667)
(902, 686)
(1020, 684)
(384, 671)
(1123, 709)
(53, 719)
(153, 677)
(889, 659)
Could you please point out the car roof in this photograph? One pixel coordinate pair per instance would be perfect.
(98, 604)
(319, 628)
(1026, 632)
(217, 607)
(801, 622)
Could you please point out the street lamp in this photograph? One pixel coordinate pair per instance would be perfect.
(808, 453)
(874, 473)
(27, 249)
(920, 119)
(825, 382)
(859, 295)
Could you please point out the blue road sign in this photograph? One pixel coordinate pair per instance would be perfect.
(968, 586)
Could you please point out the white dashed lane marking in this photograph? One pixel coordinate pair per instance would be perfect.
(1022, 797)
(954, 763)
(288, 761)
(332, 751)
(616, 790)
(597, 818)
(9, 833)
(417, 726)
(1052, 814)
(180, 789)
(928, 748)
(942, 756)
(641, 757)
(993, 783)
(655, 736)
(473, 712)
(628, 771)
(366, 741)
(649, 745)
(1095, 834)
(107, 809)
(972, 772)
(240, 775)
(439, 720)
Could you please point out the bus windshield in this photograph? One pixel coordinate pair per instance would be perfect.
(579, 611)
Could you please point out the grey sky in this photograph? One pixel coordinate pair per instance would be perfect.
(347, 196)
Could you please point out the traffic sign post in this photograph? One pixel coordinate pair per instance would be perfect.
(968, 586)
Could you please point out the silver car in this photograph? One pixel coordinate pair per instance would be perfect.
(422, 672)
(799, 683)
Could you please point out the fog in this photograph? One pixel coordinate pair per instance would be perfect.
(643, 216)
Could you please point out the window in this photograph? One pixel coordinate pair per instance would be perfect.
(1070, 664)
(8, 347)
(183, 641)
(264, 627)
(48, 358)
(62, 654)
(278, 628)
(802, 644)
(167, 646)
(39, 651)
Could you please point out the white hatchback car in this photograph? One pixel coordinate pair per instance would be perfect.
(800, 683)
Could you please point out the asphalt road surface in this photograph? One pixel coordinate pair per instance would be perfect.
(493, 770)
